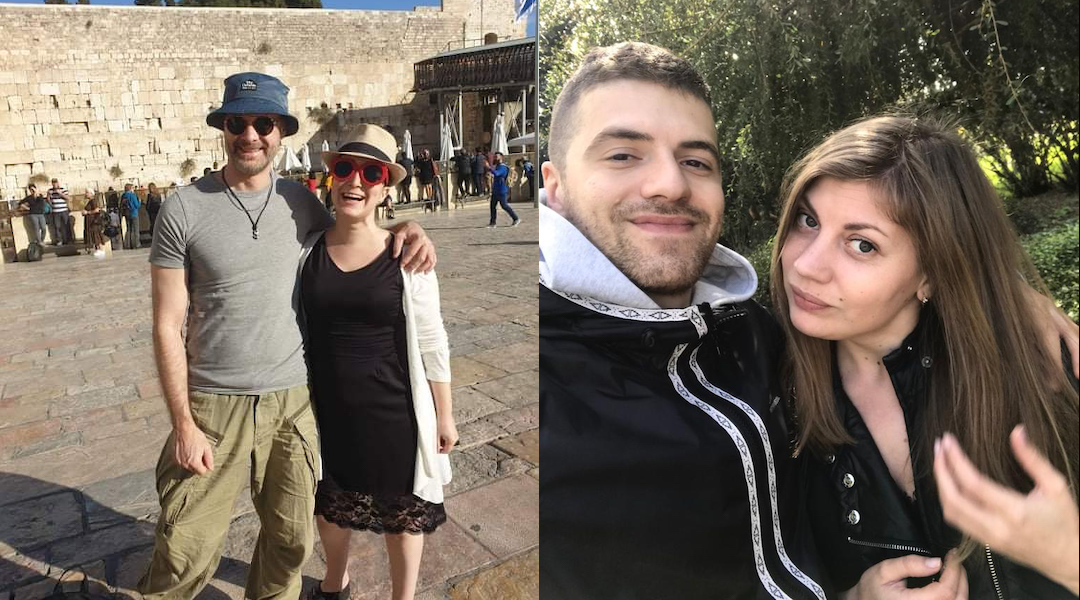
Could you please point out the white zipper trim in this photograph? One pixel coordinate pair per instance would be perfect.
(770, 473)
(736, 436)
(654, 315)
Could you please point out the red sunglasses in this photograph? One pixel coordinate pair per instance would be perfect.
(371, 173)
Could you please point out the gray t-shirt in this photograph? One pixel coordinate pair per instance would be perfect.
(242, 330)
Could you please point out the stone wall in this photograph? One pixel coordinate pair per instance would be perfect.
(87, 89)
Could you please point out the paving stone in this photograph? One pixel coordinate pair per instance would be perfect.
(465, 371)
(21, 415)
(99, 544)
(33, 523)
(477, 433)
(518, 389)
(120, 499)
(17, 571)
(515, 579)
(90, 400)
(476, 466)
(514, 358)
(503, 527)
(470, 405)
(516, 420)
(525, 445)
(62, 440)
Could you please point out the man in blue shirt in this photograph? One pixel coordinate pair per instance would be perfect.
(130, 203)
(500, 192)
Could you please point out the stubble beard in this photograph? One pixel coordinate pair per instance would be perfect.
(249, 167)
(671, 269)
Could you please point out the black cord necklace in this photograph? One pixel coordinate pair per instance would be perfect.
(254, 222)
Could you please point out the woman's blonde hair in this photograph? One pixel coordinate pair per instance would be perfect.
(991, 370)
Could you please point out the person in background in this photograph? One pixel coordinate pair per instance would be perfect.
(34, 207)
(153, 204)
(463, 169)
(93, 224)
(479, 170)
(529, 171)
(500, 191)
(130, 207)
(426, 172)
(405, 187)
(59, 200)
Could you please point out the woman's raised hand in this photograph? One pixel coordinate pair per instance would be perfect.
(1040, 529)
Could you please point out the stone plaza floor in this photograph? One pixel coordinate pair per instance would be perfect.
(82, 423)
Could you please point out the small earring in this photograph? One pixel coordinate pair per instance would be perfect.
(924, 300)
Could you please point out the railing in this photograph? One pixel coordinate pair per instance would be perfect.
(490, 67)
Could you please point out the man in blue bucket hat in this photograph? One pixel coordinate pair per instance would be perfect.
(223, 264)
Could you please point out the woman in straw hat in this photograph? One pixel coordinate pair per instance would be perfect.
(380, 373)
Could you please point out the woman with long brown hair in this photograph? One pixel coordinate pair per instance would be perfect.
(901, 286)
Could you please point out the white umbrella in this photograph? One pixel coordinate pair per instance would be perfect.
(289, 161)
(325, 148)
(446, 145)
(305, 157)
(498, 136)
(406, 145)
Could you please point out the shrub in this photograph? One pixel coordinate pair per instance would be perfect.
(761, 258)
(1056, 257)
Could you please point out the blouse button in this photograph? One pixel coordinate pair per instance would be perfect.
(830, 458)
(849, 480)
(853, 517)
(927, 361)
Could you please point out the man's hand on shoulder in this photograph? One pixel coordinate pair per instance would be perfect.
(419, 250)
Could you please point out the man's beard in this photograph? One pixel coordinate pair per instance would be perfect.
(672, 269)
(249, 167)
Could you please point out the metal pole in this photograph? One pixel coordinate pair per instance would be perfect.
(524, 112)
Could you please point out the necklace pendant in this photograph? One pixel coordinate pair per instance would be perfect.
(254, 234)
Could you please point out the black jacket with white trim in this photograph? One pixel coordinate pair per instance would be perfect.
(666, 470)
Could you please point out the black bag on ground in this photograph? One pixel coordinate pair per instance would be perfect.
(34, 252)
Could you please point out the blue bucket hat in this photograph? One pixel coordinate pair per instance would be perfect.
(254, 94)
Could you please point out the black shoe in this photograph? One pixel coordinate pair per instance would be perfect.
(317, 593)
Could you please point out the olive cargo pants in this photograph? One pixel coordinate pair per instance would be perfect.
(269, 440)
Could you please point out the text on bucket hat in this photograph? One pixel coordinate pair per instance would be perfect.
(254, 94)
(373, 143)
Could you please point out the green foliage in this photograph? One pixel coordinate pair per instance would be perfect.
(321, 114)
(56, 2)
(761, 258)
(116, 172)
(1040, 213)
(1056, 257)
(39, 179)
(784, 74)
(187, 167)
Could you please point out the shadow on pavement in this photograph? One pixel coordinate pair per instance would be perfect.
(46, 528)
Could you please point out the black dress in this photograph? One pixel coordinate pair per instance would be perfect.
(357, 352)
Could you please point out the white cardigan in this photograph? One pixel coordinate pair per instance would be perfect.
(429, 359)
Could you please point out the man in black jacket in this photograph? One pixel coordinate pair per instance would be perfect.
(666, 470)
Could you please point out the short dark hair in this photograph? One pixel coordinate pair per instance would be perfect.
(635, 61)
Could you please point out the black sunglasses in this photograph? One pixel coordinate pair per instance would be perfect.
(237, 124)
(371, 173)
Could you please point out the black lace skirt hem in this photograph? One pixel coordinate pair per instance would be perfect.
(406, 513)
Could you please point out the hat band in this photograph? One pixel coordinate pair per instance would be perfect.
(365, 148)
